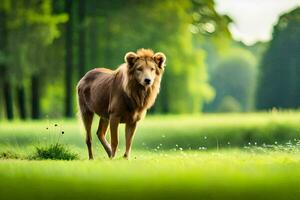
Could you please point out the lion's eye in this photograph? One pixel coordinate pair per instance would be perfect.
(139, 69)
(152, 69)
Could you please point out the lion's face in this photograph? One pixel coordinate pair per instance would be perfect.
(145, 69)
(145, 72)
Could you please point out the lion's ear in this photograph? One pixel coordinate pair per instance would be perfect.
(160, 59)
(130, 58)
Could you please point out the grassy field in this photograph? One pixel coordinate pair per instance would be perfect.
(190, 175)
(253, 156)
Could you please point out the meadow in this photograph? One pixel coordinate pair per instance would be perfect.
(224, 156)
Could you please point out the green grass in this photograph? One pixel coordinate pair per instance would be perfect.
(174, 157)
(53, 152)
(185, 175)
(168, 132)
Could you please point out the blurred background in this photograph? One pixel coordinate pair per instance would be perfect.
(222, 55)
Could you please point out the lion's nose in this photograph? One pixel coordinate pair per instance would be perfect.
(147, 81)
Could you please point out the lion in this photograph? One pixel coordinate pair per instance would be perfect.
(120, 96)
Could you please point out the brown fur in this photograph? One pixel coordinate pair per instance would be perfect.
(120, 96)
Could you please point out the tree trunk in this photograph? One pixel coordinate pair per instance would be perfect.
(108, 50)
(93, 43)
(35, 97)
(69, 60)
(57, 6)
(8, 100)
(7, 89)
(21, 101)
(82, 39)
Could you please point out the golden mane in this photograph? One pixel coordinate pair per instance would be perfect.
(143, 99)
(145, 53)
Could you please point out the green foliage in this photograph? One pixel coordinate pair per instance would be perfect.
(207, 21)
(32, 28)
(191, 33)
(144, 24)
(52, 100)
(258, 49)
(279, 82)
(229, 104)
(235, 76)
(102, 32)
(54, 152)
(8, 155)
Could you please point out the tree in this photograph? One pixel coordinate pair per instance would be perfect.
(98, 34)
(279, 82)
(21, 99)
(129, 26)
(229, 104)
(31, 28)
(69, 60)
(82, 38)
(212, 31)
(4, 74)
(234, 76)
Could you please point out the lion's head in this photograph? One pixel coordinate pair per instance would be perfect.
(145, 66)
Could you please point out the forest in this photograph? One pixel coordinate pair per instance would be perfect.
(46, 46)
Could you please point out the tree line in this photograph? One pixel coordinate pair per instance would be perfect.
(46, 46)
(279, 80)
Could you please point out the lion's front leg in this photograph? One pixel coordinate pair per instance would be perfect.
(129, 133)
(114, 137)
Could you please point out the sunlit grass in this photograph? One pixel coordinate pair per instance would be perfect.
(253, 156)
(209, 131)
(187, 174)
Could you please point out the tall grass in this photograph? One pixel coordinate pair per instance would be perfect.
(54, 152)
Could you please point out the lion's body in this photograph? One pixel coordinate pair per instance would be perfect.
(101, 91)
(117, 97)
